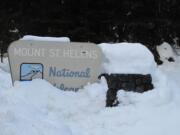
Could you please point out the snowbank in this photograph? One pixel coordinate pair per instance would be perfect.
(27, 113)
(5, 65)
(37, 38)
(38, 108)
(127, 58)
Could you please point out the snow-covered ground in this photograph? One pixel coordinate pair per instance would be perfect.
(38, 108)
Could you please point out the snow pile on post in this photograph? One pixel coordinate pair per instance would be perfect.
(37, 38)
(127, 58)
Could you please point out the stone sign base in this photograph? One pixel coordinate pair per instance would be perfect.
(128, 82)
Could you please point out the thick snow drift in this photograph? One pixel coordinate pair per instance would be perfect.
(38, 108)
(127, 58)
(37, 38)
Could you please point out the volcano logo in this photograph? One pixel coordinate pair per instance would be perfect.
(30, 71)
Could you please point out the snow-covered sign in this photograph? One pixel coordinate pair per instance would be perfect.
(68, 66)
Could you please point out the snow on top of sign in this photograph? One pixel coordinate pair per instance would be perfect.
(127, 58)
(37, 38)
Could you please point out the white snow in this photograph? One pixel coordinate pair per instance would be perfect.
(38, 38)
(5, 65)
(127, 58)
(38, 108)
(165, 51)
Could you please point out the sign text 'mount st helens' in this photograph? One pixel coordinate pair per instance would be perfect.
(68, 66)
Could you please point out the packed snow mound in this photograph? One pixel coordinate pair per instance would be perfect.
(165, 51)
(127, 58)
(37, 38)
(27, 108)
(38, 108)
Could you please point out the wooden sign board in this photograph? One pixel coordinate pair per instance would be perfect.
(68, 66)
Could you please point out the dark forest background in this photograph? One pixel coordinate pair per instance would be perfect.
(147, 21)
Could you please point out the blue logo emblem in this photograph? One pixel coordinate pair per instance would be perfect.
(30, 71)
